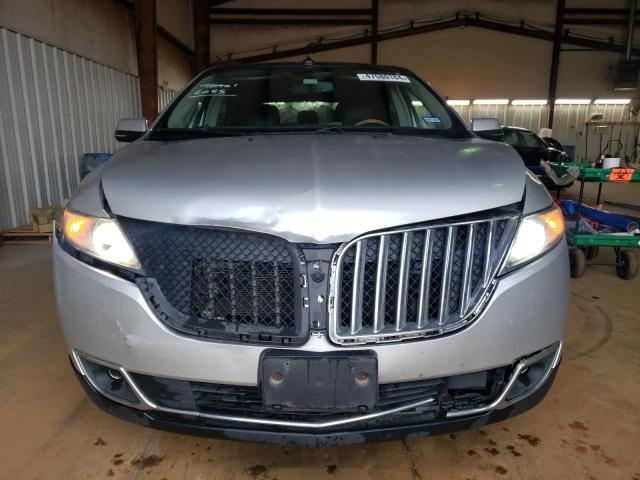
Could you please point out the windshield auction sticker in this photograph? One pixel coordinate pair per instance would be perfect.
(215, 90)
(383, 77)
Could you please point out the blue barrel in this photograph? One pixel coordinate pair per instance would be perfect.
(91, 161)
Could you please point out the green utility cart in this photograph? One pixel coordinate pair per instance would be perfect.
(585, 246)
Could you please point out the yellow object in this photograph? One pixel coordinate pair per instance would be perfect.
(554, 222)
(99, 237)
(75, 226)
(537, 233)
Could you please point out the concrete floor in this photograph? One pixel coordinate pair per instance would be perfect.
(588, 427)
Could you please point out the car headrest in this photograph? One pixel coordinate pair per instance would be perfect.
(352, 113)
(358, 101)
(241, 114)
(233, 113)
(268, 115)
(308, 117)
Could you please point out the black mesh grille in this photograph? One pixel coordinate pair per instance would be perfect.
(247, 401)
(446, 261)
(457, 268)
(219, 283)
(479, 258)
(347, 278)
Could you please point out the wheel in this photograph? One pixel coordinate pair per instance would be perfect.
(577, 262)
(627, 265)
(591, 252)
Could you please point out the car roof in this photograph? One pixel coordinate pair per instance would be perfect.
(519, 129)
(368, 66)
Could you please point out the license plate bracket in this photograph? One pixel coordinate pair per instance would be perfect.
(307, 381)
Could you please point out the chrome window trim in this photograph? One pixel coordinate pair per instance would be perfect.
(489, 282)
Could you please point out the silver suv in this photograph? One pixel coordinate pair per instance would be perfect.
(312, 254)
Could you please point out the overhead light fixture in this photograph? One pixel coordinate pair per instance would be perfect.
(459, 103)
(612, 101)
(573, 101)
(529, 102)
(494, 101)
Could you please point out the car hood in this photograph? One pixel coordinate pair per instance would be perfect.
(319, 188)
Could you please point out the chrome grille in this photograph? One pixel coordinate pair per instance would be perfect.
(415, 282)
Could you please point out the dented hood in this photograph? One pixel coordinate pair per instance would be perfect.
(320, 188)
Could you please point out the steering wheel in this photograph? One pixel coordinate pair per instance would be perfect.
(374, 121)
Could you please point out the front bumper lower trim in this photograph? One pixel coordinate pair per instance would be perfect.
(501, 402)
(322, 438)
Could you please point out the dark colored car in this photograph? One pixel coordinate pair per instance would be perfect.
(531, 148)
(552, 142)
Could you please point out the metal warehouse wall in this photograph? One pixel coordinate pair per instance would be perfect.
(532, 117)
(165, 95)
(568, 125)
(54, 106)
(570, 129)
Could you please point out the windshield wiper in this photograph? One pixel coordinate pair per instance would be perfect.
(189, 133)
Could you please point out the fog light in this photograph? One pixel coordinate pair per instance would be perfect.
(108, 381)
(531, 376)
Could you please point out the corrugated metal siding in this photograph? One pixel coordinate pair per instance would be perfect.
(465, 112)
(531, 117)
(54, 106)
(568, 125)
(501, 112)
(570, 129)
(165, 95)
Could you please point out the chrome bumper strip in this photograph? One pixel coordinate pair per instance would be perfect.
(501, 402)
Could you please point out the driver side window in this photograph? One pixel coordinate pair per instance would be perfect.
(510, 138)
(530, 140)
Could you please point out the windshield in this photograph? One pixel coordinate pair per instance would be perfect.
(294, 98)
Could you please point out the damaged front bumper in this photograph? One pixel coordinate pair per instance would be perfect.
(516, 340)
(120, 393)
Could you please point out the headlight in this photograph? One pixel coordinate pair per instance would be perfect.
(537, 233)
(99, 237)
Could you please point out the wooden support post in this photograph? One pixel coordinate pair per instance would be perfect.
(374, 31)
(201, 9)
(145, 16)
(555, 60)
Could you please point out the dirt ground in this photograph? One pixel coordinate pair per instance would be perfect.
(588, 427)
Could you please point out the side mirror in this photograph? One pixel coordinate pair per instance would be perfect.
(485, 124)
(130, 129)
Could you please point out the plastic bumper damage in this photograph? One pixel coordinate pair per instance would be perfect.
(115, 391)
